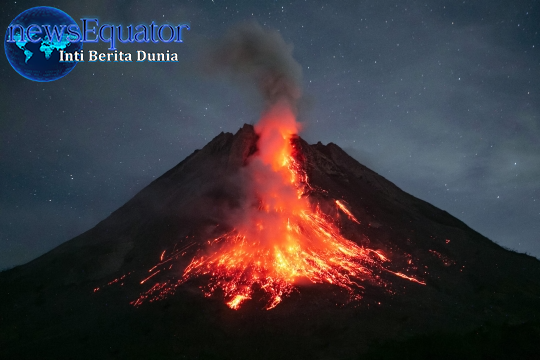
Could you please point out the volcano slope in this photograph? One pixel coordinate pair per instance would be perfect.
(473, 299)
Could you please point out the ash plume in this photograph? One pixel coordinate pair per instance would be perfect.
(264, 57)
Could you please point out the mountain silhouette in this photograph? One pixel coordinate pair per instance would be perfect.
(472, 298)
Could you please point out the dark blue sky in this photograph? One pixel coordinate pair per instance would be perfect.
(440, 97)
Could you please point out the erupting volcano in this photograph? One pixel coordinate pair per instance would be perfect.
(347, 262)
(279, 237)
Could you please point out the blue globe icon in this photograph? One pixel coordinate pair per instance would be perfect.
(40, 60)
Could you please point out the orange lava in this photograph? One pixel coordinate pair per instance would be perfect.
(410, 278)
(346, 211)
(281, 239)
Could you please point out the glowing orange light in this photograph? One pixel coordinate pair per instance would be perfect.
(409, 278)
(151, 276)
(236, 301)
(282, 238)
(346, 211)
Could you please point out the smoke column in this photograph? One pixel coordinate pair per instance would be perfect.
(264, 56)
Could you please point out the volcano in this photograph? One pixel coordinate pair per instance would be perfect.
(152, 280)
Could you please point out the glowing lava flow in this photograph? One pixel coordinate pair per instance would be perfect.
(346, 211)
(281, 238)
(307, 245)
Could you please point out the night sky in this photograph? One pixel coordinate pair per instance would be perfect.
(440, 97)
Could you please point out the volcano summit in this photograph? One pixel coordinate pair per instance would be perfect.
(407, 278)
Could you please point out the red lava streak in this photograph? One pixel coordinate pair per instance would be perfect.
(282, 238)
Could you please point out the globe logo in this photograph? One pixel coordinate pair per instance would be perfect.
(33, 43)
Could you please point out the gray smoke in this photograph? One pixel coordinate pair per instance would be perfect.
(264, 57)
